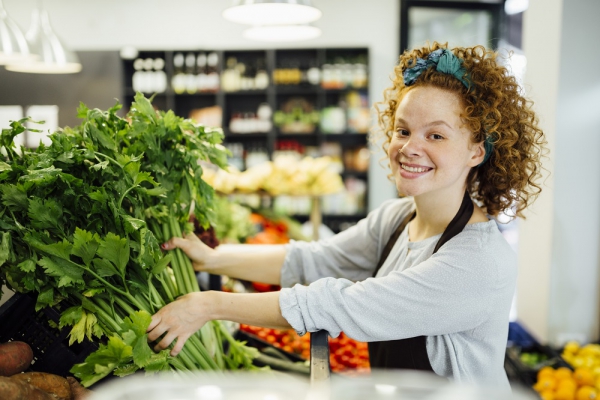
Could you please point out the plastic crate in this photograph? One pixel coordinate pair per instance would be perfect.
(51, 351)
(525, 373)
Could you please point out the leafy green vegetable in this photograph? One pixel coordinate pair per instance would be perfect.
(81, 224)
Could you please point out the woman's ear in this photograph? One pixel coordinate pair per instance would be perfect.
(478, 154)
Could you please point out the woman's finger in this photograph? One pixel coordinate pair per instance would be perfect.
(157, 332)
(176, 242)
(179, 344)
(155, 321)
(165, 342)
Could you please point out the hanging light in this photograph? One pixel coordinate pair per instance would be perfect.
(54, 58)
(272, 12)
(282, 33)
(13, 46)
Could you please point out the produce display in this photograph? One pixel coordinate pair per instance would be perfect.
(564, 384)
(345, 354)
(285, 176)
(16, 357)
(81, 224)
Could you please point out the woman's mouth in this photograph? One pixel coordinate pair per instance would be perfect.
(414, 168)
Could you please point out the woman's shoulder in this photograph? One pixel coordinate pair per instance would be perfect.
(391, 212)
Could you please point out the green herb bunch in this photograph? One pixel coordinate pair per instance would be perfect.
(81, 222)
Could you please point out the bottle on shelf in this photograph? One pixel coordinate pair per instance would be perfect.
(137, 80)
(261, 80)
(213, 79)
(201, 76)
(190, 73)
(178, 80)
(313, 74)
(160, 77)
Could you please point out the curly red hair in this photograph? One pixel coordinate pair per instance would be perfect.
(494, 105)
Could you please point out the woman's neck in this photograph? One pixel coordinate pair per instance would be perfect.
(434, 213)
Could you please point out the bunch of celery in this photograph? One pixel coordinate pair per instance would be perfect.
(81, 224)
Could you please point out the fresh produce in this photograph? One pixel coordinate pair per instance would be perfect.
(564, 384)
(55, 385)
(232, 223)
(78, 391)
(307, 177)
(15, 357)
(345, 354)
(11, 389)
(532, 359)
(81, 224)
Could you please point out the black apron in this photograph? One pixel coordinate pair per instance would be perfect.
(411, 353)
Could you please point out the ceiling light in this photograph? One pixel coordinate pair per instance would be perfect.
(272, 12)
(515, 6)
(54, 58)
(282, 33)
(13, 46)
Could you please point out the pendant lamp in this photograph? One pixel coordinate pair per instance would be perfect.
(272, 12)
(54, 57)
(13, 46)
(282, 33)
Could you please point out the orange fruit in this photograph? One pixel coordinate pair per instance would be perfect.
(545, 372)
(564, 393)
(546, 383)
(583, 376)
(563, 373)
(586, 393)
(567, 383)
(547, 395)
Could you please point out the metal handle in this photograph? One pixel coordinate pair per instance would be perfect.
(319, 356)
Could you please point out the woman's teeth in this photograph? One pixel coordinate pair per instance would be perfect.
(413, 169)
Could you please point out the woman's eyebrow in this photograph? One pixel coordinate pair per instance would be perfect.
(433, 123)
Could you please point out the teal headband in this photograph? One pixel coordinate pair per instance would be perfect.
(445, 62)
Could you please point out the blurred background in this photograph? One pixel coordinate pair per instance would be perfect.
(275, 94)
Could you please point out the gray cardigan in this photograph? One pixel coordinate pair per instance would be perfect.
(459, 298)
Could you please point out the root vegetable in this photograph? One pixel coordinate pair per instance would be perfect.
(12, 389)
(55, 385)
(79, 392)
(15, 357)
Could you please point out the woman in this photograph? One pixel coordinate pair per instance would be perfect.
(462, 144)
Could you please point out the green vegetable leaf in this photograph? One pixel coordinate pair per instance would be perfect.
(5, 248)
(162, 264)
(126, 370)
(142, 353)
(132, 224)
(104, 267)
(116, 250)
(85, 245)
(45, 214)
(138, 322)
(5, 167)
(14, 197)
(67, 271)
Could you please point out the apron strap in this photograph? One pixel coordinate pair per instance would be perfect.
(411, 353)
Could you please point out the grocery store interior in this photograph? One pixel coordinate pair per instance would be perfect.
(303, 105)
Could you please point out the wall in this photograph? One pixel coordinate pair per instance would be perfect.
(197, 24)
(558, 256)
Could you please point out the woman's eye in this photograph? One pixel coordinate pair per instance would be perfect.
(402, 133)
(435, 136)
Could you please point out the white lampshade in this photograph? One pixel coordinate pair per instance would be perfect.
(54, 57)
(13, 46)
(282, 33)
(272, 12)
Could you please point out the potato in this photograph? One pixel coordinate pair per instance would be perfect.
(79, 392)
(15, 357)
(12, 389)
(55, 385)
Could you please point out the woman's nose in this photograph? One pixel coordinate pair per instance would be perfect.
(412, 147)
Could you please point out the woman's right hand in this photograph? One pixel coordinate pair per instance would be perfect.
(201, 255)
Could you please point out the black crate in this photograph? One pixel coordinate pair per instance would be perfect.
(51, 351)
(525, 373)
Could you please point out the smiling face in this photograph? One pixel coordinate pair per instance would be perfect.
(431, 152)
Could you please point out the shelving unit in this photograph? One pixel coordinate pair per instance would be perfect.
(275, 95)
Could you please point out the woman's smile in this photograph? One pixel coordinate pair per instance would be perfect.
(411, 171)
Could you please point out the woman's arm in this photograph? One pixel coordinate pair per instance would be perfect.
(257, 263)
(185, 316)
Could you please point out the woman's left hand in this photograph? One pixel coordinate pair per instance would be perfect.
(180, 320)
